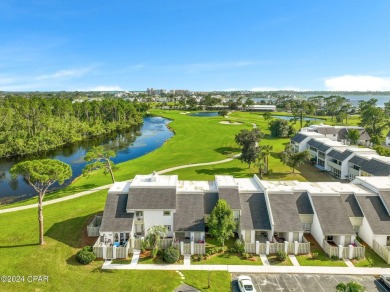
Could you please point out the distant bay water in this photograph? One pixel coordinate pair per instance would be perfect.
(353, 98)
(131, 144)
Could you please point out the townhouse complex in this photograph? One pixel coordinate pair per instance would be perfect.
(330, 152)
(270, 215)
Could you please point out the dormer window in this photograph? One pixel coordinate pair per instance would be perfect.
(167, 213)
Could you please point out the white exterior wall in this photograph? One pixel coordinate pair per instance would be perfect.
(381, 239)
(316, 230)
(366, 233)
(156, 217)
(339, 239)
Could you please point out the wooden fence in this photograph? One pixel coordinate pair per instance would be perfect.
(176, 245)
(250, 247)
(137, 243)
(199, 248)
(262, 248)
(290, 247)
(187, 248)
(166, 242)
(274, 247)
(330, 250)
(94, 227)
(382, 251)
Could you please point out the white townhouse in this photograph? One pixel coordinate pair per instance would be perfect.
(388, 138)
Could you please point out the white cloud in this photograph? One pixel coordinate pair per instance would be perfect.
(104, 88)
(357, 83)
(65, 74)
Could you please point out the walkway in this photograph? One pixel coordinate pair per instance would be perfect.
(294, 260)
(264, 259)
(87, 192)
(135, 258)
(254, 269)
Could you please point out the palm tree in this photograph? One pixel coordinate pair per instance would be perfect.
(154, 236)
(350, 287)
(266, 150)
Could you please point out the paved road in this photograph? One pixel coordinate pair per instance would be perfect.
(307, 283)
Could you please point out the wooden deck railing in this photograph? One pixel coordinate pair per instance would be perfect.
(94, 227)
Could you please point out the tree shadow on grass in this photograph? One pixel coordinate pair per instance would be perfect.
(19, 245)
(234, 171)
(227, 150)
(71, 231)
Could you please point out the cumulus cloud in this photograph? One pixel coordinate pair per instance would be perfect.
(357, 83)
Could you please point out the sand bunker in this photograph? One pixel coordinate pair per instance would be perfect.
(230, 123)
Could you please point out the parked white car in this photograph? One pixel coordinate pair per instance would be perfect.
(386, 280)
(245, 284)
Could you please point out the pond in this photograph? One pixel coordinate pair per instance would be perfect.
(291, 117)
(204, 114)
(129, 144)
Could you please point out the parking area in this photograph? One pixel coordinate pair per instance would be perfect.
(307, 283)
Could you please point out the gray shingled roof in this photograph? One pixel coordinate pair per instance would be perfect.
(375, 213)
(358, 160)
(231, 196)
(115, 217)
(298, 138)
(285, 213)
(351, 205)
(327, 130)
(341, 156)
(189, 214)
(332, 215)
(376, 167)
(320, 146)
(303, 203)
(385, 195)
(151, 198)
(254, 212)
(209, 202)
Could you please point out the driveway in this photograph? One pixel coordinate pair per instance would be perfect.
(306, 283)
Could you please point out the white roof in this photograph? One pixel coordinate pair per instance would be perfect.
(154, 180)
(120, 187)
(331, 143)
(225, 181)
(184, 186)
(378, 182)
(248, 185)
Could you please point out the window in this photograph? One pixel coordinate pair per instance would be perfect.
(167, 213)
(306, 227)
(329, 238)
(168, 227)
(139, 215)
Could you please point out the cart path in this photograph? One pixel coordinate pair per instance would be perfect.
(87, 192)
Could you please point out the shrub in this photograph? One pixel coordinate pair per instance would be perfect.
(314, 255)
(281, 255)
(85, 256)
(232, 250)
(143, 245)
(335, 258)
(245, 255)
(154, 252)
(239, 246)
(206, 255)
(171, 255)
(199, 258)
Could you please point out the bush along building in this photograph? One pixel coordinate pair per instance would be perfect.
(270, 215)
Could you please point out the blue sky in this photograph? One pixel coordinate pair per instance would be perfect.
(196, 45)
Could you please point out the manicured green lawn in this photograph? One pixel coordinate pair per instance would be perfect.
(321, 260)
(157, 260)
(21, 255)
(275, 262)
(372, 259)
(219, 281)
(228, 259)
(209, 141)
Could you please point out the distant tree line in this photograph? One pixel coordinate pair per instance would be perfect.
(36, 124)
